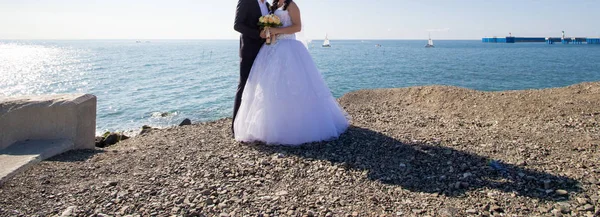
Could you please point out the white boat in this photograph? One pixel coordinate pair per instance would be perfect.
(326, 42)
(430, 42)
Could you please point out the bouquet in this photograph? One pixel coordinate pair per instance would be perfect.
(267, 22)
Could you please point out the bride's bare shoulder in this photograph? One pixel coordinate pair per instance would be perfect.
(293, 5)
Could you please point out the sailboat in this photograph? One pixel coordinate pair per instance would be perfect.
(430, 42)
(326, 42)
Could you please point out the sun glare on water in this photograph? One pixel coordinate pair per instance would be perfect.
(36, 69)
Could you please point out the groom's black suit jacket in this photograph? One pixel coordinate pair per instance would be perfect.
(246, 22)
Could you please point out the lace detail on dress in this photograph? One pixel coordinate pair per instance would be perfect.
(286, 20)
(284, 16)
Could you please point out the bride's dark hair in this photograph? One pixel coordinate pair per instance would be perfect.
(275, 5)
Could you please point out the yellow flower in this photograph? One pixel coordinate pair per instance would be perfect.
(261, 19)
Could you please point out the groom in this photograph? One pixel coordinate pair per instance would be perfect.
(251, 39)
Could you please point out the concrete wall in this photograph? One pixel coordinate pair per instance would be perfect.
(71, 117)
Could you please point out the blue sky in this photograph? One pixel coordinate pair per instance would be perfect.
(341, 19)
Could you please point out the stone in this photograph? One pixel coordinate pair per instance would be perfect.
(587, 207)
(496, 208)
(471, 211)
(111, 183)
(561, 192)
(146, 129)
(209, 201)
(418, 211)
(100, 142)
(467, 175)
(547, 184)
(114, 138)
(281, 193)
(583, 201)
(185, 122)
(70, 211)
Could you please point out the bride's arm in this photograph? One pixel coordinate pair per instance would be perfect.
(296, 26)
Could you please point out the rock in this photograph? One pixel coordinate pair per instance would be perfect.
(124, 210)
(448, 212)
(471, 211)
(100, 142)
(114, 138)
(209, 201)
(281, 193)
(355, 214)
(587, 207)
(467, 175)
(111, 183)
(206, 192)
(185, 122)
(583, 201)
(547, 184)
(418, 211)
(557, 212)
(70, 211)
(496, 208)
(265, 162)
(561, 192)
(146, 129)
(224, 215)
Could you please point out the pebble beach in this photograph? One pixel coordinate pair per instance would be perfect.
(417, 151)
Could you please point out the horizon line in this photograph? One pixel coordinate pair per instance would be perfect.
(221, 39)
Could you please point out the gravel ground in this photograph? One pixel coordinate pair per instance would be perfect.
(420, 151)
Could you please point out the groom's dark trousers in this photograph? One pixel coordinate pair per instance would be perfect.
(246, 22)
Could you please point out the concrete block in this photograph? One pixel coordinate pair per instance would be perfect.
(69, 116)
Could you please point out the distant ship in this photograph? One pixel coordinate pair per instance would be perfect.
(326, 42)
(430, 42)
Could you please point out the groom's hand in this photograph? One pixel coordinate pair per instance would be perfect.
(262, 34)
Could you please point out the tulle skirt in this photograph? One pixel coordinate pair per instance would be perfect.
(286, 100)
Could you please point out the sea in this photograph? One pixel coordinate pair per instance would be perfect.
(161, 82)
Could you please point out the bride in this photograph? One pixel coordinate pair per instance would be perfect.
(285, 100)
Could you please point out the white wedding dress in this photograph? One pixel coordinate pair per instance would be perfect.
(286, 100)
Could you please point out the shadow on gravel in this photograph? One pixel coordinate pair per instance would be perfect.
(75, 155)
(426, 168)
